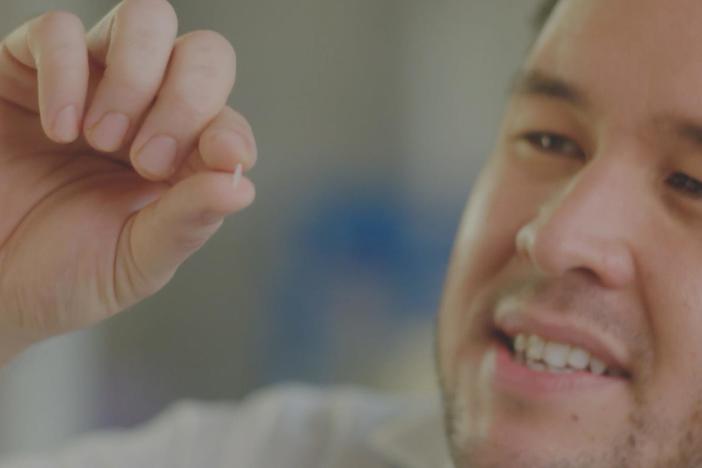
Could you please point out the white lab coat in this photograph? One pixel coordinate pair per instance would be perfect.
(285, 427)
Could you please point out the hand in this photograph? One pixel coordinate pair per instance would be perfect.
(118, 160)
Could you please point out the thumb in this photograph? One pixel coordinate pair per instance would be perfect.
(160, 237)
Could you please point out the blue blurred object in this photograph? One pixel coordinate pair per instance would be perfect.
(362, 264)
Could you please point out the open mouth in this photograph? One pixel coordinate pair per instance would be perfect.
(551, 357)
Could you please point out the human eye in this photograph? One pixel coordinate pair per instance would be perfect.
(686, 184)
(554, 144)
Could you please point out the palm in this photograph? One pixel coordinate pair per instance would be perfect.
(64, 212)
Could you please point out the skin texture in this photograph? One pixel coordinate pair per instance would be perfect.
(599, 226)
(88, 227)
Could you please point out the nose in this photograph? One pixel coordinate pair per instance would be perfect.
(586, 226)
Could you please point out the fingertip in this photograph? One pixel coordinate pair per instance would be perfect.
(155, 159)
(217, 193)
(66, 125)
(245, 194)
(240, 197)
(54, 45)
(108, 133)
(223, 150)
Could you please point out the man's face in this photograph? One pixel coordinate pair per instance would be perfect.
(584, 238)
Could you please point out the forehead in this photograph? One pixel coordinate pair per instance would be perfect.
(639, 55)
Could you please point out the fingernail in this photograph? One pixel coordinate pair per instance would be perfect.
(66, 125)
(110, 131)
(240, 147)
(237, 176)
(157, 157)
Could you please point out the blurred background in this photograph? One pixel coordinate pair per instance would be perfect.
(373, 118)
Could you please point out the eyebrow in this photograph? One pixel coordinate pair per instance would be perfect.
(542, 84)
(682, 126)
(539, 83)
(687, 130)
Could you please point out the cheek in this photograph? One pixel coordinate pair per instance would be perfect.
(669, 384)
(502, 202)
(673, 292)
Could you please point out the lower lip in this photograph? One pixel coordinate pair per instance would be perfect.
(517, 379)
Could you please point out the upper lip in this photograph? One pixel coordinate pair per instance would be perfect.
(596, 343)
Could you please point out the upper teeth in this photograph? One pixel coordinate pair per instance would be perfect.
(540, 354)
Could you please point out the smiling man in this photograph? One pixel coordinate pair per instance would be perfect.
(570, 328)
(569, 331)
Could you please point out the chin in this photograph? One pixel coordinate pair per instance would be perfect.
(515, 449)
(492, 424)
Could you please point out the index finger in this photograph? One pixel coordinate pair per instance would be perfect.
(54, 46)
(133, 43)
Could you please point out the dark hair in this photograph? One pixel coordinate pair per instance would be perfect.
(544, 13)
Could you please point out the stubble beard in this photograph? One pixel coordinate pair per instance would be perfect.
(623, 453)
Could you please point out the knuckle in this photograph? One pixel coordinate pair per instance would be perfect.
(59, 34)
(149, 19)
(210, 45)
(135, 83)
(208, 57)
(160, 10)
(195, 105)
(194, 238)
(199, 75)
(56, 22)
(144, 42)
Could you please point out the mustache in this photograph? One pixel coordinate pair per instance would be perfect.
(579, 297)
